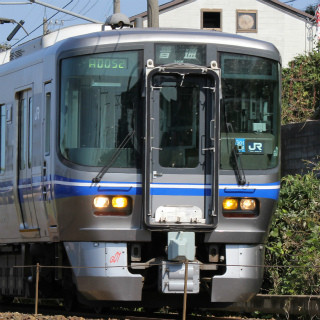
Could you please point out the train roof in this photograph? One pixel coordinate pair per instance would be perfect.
(96, 34)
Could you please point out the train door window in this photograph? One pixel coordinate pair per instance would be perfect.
(25, 130)
(211, 19)
(48, 123)
(2, 137)
(22, 132)
(30, 132)
(179, 122)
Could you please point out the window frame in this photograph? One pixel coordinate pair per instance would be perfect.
(83, 53)
(203, 11)
(254, 28)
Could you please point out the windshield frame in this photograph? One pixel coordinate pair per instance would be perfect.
(139, 49)
(227, 131)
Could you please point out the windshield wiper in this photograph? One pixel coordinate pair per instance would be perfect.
(122, 145)
(238, 168)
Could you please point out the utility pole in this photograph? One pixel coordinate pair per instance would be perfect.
(153, 14)
(116, 6)
(45, 26)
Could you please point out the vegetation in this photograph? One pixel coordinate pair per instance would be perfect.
(311, 9)
(301, 88)
(293, 248)
(4, 47)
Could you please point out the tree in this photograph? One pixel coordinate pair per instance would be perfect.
(311, 9)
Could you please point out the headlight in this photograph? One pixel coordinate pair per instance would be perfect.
(119, 202)
(240, 208)
(112, 206)
(101, 202)
(248, 204)
(230, 204)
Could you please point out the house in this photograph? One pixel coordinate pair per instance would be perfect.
(292, 31)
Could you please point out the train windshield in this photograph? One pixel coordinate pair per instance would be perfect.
(100, 109)
(250, 112)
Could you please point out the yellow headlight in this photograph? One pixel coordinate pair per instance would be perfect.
(230, 204)
(119, 202)
(247, 204)
(101, 202)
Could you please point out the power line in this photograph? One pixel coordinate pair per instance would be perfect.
(9, 3)
(41, 25)
(81, 11)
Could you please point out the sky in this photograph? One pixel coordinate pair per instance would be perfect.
(33, 14)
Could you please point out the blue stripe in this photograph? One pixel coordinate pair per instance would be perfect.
(65, 187)
(258, 193)
(267, 190)
(179, 192)
(270, 190)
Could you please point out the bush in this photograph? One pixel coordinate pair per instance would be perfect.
(301, 88)
(293, 248)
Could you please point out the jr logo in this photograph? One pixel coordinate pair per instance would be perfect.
(255, 147)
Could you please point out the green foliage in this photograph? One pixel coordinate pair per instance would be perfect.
(293, 247)
(301, 88)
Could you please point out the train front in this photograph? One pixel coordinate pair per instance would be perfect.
(167, 157)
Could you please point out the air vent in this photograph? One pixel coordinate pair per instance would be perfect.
(16, 54)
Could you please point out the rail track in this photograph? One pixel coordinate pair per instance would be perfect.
(54, 310)
(23, 309)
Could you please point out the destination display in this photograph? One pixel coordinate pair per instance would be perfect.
(103, 64)
(172, 53)
(108, 63)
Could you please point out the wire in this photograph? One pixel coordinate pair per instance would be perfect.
(71, 9)
(82, 11)
(41, 24)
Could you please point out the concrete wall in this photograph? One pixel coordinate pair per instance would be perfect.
(300, 141)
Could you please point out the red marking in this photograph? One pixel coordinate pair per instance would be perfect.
(115, 258)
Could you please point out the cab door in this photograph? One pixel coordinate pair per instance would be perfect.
(181, 176)
(46, 181)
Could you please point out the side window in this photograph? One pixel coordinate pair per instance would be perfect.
(2, 137)
(211, 19)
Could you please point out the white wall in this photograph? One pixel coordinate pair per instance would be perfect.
(287, 31)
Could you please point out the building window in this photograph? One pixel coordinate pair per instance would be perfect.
(211, 19)
(247, 21)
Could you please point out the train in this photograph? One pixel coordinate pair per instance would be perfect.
(137, 165)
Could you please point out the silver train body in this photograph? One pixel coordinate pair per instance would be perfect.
(126, 153)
